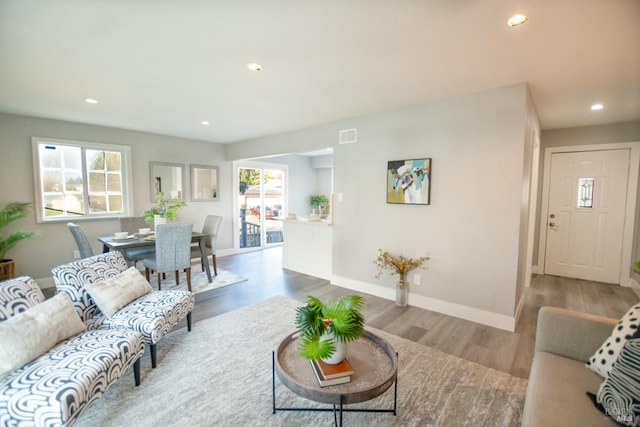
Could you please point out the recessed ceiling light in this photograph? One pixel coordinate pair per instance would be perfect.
(91, 101)
(254, 66)
(596, 107)
(517, 19)
(205, 123)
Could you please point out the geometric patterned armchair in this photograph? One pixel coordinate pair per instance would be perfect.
(59, 384)
(153, 315)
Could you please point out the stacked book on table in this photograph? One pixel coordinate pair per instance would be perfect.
(328, 375)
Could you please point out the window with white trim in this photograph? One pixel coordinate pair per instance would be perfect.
(80, 180)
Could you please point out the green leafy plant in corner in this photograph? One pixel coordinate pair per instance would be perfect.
(11, 212)
(318, 201)
(167, 208)
(319, 321)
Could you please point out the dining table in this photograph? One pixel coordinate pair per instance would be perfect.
(137, 240)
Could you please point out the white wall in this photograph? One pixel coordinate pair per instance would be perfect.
(471, 229)
(54, 246)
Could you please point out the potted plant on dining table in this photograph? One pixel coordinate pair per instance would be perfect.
(165, 209)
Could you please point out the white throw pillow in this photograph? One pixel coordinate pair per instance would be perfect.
(112, 294)
(606, 356)
(33, 332)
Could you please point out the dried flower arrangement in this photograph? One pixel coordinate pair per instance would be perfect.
(399, 265)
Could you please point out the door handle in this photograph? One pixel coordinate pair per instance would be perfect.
(552, 224)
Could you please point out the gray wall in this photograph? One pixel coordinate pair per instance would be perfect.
(54, 246)
(471, 229)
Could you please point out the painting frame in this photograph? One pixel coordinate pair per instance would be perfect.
(409, 181)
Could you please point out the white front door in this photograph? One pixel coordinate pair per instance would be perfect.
(585, 223)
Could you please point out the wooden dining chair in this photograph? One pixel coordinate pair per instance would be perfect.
(172, 252)
(210, 228)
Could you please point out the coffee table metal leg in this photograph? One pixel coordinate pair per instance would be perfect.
(273, 380)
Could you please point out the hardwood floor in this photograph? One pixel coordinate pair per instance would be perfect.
(509, 352)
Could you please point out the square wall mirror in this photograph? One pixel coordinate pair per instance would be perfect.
(204, 183)
(167, 178)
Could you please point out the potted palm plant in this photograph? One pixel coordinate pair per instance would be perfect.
(11, 212)
(165, 209)
(326, 327)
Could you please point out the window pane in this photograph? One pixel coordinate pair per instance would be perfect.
(53, 205)
(52, 181)
(72, 157)
(97, 204)
(114, 182)
(95, 160)
(74, 204)
(73, 181)
(96, 182)
(585, 193)
(115, 204)
(50, 156)
(113, 161)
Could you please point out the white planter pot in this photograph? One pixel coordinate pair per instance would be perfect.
(340, 353)
(159, 220)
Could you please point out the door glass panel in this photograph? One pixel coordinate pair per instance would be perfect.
(261, 206)
(273, 204)
(585, 192)
(249, 196)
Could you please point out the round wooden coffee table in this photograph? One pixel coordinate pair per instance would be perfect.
(375, 365)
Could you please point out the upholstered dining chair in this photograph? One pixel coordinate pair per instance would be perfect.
(131, 225)
(153, 314)
(81, 240)
(210, 228)
(173, 252)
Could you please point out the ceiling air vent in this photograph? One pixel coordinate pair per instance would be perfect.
(348, 136)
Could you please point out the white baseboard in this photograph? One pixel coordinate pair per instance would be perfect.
(472, 314)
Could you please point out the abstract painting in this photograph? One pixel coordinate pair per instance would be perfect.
(409, 181)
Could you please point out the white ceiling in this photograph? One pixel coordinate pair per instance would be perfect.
(164, 66)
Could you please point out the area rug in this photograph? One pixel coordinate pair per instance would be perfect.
(220, 374)
(199, 280)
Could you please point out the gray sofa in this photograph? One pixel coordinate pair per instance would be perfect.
(559, 379)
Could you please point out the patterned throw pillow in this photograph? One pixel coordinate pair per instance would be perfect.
(619, 395)
(605, 357)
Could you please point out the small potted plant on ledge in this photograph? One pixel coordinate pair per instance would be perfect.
(325, 328)
(318, 202)
(11, 212)
(165, 209)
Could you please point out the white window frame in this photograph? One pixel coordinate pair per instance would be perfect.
(127, 185)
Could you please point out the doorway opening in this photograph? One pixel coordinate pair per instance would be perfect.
(588, 206)
(260, 205)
